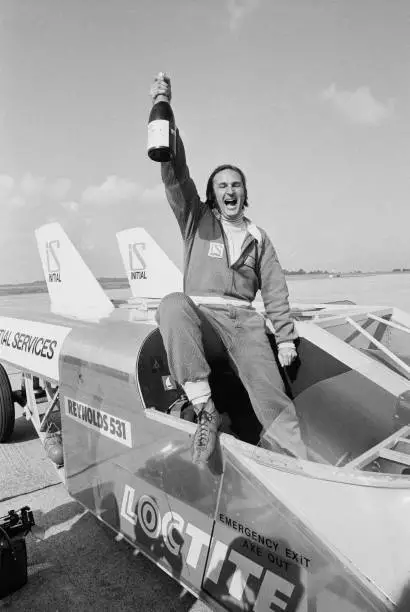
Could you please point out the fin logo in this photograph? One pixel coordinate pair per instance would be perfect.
(138, 266)
(53, 262)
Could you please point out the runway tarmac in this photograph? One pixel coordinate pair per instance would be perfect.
(74, 561)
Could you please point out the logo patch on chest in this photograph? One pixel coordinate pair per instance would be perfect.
(216, 249)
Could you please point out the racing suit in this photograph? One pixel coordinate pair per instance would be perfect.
(214, 315)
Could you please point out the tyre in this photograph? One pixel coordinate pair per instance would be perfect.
(6, 406)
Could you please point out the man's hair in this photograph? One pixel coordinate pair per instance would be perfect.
(210, 193)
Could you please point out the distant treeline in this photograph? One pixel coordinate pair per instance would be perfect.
(333, 272)
(112, 282)
(302, 271)
(106, 282)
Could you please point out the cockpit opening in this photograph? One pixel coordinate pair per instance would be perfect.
(343, 413)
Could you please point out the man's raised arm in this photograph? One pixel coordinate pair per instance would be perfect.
(180, 189)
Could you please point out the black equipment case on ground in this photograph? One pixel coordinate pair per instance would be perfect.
(13, 553)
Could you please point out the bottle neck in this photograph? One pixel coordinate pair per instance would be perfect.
(161, 98)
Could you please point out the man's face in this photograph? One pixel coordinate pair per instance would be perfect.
(229, 192)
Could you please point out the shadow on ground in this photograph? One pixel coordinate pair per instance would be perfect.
(23, 431)
(78, 565)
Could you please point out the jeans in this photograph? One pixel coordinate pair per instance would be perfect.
(195, 335)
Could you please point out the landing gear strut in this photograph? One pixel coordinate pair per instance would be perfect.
(39, 399)
(47, 423)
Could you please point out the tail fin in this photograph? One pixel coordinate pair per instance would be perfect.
(150, 272)
(73, 289)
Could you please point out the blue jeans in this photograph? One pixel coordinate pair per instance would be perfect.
(194, 335)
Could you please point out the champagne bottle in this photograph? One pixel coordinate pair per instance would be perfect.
(161, 130)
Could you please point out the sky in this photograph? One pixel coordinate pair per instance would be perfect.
(311, 98)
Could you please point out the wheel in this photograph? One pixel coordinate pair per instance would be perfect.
(6, 406)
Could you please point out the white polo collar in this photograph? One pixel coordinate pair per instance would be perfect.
(250, 226)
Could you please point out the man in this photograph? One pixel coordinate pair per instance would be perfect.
(227, 259)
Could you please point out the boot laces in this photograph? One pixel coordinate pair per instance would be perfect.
(204, 422)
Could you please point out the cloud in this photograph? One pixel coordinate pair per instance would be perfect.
(238, 10)
(58, 189)
(91, 217)
(9, 194)
(358, 106)
(6, 186)
(71, 206)
(113, 190)
(153, 194)
(32, 186)
(17, 201)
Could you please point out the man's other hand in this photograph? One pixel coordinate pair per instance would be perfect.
(286, 355)
(161, 87)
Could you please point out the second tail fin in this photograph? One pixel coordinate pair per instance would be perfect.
(150, 272)
(74, 291)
